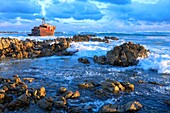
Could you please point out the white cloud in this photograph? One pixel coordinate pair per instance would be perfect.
(66, 1)
(146, 1)
(44, 4)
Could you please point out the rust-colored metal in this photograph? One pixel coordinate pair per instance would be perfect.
(43, 30)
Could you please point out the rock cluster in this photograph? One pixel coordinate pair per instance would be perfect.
(116, 87)
(123, 55)
(129, 107)
(14, 48)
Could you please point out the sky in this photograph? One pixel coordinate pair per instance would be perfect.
(86, 15)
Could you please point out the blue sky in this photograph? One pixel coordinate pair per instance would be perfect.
(86, 15)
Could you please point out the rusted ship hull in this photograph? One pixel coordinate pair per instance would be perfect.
(43, 30)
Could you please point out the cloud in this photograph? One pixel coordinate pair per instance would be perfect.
(78, 10)
(118, 2)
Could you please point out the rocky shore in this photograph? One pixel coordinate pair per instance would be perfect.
(16, 94)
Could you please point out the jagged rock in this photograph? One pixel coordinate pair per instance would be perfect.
(46, 103)
(68, 94)
(2, 107)
(123, 55)
(2, 97)
(129, 107)
(84, 60)
(115, 86)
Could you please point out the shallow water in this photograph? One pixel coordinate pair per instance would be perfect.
(56, 71)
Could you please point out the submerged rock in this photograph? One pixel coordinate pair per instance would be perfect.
(111, 37)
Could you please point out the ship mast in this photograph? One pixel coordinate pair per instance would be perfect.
(43, 21)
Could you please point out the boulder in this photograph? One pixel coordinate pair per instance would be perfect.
(86, 85)
(123, 55)
(81, 38)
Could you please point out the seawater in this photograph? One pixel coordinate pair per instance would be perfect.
(56, 71)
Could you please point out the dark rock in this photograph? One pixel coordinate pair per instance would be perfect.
(111, 37)
(45, 103)
(100, 59)
(124, 55)
(81, 38)
(84, 60)
(76, 110)
(21, 101)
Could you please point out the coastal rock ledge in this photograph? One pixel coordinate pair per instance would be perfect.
(123, 55)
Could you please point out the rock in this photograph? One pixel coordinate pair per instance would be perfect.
(84, 60)
(86, 85)
(100, 59)
(76, 94)
(62, 89)
(45, 103)
(2, 97)
(133, 106)
(129, 107)
(40, 93)
(21, 101)
(111, 37)
(110, 86)
(59, 104)
(81, 38)
(68, 94)
(123, 55)
(28, 79)
(128, 86)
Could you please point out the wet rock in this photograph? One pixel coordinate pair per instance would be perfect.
(29, 79)
(86, 85)
(124, 55)
(133, 106)
(2, 97)
(68, 94)
(100, 59)
(62, 89)
(155, 83)
(81, 38)
(115, 86)
(21, 101)
(40, 93)
(111, 37)
(129, 107)
(76, 94)
(84, 60)
(45, 103)
(99, 40)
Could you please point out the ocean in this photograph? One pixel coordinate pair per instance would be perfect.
(56, 71)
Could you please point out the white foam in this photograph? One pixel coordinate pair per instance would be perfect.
(161, 63)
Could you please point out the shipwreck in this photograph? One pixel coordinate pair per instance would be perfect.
(44, 29)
